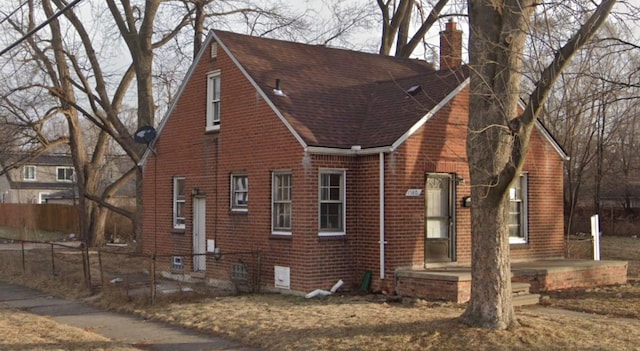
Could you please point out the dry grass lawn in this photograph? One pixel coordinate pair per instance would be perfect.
(350, 322)
(25, 331)
(276, 322)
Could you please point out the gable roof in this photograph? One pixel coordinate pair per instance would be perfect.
(338, 98)
(335, 99)
(39, 160)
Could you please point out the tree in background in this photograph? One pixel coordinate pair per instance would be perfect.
(79, 65)
(590, 111)
(398, 18)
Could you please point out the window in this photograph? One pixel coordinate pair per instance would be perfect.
(239, 192)
(332, 202)
(178, 202)
(29, 172)
(64, 174)
(518, 211)
(213, 101)
(281, 206)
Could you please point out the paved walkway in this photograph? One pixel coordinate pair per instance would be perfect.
(119, 327)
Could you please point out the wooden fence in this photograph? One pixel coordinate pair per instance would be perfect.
(51, 217)
(57, 218)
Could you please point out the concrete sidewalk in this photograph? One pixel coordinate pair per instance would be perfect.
(125, 328)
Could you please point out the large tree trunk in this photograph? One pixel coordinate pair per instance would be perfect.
(491, 305)
(98, 223)
(496, 145)
(498, 138)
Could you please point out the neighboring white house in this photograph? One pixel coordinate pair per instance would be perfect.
(38, 178)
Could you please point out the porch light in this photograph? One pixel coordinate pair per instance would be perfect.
(217, 253)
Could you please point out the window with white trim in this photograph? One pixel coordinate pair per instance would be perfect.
(239, 192)
(29, 172)
(281, 203)
(64, 174)
(213, 101)
(331, 202)
(178, 203)
(518, 211)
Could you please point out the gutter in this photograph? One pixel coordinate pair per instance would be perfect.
(355, 150)
(382, 242)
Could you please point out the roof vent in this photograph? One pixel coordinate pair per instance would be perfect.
(277, 90)
(414, 90)
(214, 50)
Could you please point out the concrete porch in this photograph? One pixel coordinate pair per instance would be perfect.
(453, 282)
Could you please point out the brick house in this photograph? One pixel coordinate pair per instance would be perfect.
(333, 164)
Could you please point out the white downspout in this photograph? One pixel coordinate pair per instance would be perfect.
(381, 201)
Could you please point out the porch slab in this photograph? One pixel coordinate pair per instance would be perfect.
(453, 283)
(548, 275)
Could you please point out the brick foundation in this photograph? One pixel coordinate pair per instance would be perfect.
(455, 284)
(581, 276)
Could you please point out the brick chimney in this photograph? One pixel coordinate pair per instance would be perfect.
(450, 46)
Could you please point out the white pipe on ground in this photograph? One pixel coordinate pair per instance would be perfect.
(320, 292)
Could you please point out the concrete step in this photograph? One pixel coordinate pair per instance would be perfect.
(520, 288)
(525, 300)
(520, 295)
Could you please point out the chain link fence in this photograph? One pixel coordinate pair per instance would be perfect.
(118, 270)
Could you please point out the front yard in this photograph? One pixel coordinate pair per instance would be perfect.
(607, 319)
(349, 322)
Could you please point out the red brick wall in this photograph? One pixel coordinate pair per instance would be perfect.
(440, 147)
(254, 141)
(432, 289)
(605, 273)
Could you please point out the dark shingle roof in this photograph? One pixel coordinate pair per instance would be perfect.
(340, 98)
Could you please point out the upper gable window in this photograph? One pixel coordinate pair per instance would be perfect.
(213, 101)
(64, 174)
(29, 172)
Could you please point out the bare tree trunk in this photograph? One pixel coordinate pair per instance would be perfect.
(498, 138)
(600, 151)
(198, 26)
(98, 223)
(491, 305)
(64, 91)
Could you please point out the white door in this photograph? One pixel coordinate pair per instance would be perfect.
(199, 236)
